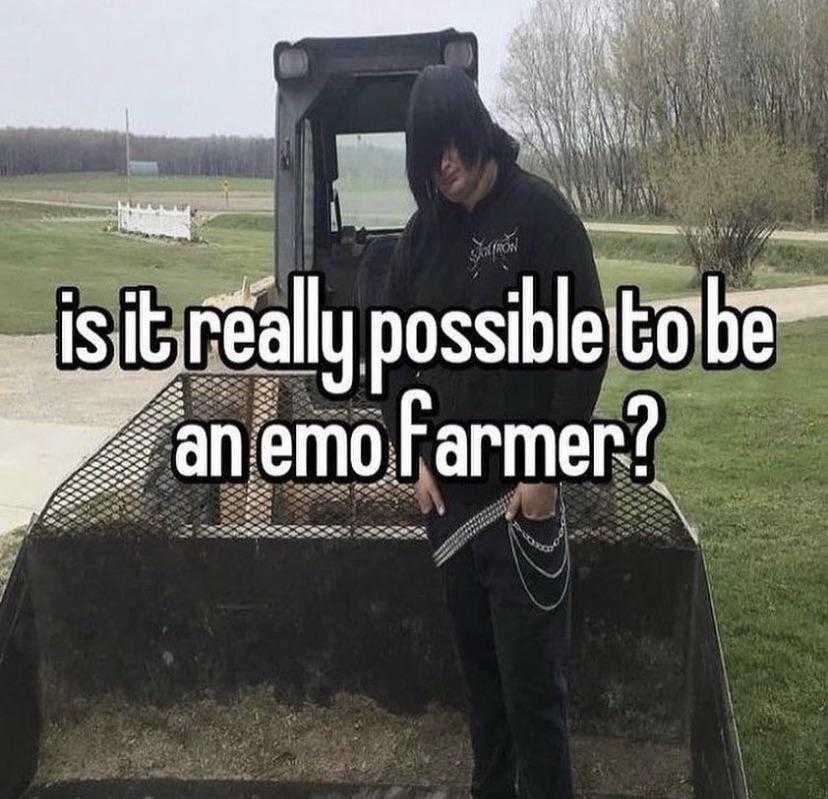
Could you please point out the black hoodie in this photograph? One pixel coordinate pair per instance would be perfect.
(468, 259)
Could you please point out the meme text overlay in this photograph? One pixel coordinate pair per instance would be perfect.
(527, 331)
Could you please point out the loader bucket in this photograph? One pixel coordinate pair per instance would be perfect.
(165, 639)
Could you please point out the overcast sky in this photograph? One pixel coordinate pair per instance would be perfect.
(186, 67)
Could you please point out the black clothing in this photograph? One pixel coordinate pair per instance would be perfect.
(454, 258)
(512, 654)
(514, 660)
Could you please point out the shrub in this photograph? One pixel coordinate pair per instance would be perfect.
(730, 196)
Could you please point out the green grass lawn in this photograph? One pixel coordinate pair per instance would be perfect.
(805, 257)
(745, 453)
(10, 210)
(105, 189)
(37, 256)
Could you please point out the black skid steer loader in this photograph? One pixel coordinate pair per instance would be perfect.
(288, 640)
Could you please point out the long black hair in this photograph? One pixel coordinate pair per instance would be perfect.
(444, 109)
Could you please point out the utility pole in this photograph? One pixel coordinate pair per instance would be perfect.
(129, 196)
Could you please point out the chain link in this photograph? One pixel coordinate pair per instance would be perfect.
(470, 528)
(537, 544)
(514, 542)
(490, 514)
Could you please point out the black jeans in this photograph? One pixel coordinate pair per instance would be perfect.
(513, 657)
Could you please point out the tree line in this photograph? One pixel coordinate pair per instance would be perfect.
(42, 150)
(47, 150)
(601, 91)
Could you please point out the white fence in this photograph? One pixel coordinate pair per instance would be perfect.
(159, 221)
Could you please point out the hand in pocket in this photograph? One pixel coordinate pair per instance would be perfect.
(533, 501)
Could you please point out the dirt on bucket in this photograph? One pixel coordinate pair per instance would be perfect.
(352, 740)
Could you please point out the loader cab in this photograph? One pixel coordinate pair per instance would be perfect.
(341, 194)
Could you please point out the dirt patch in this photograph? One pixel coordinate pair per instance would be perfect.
(631, 768)
(256, 737)
(351, 740)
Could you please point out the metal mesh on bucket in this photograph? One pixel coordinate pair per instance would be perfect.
(128, 485)
(151, 597)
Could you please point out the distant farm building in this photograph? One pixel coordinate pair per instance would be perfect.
(143, 167)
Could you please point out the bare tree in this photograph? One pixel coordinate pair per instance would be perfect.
(601, 91)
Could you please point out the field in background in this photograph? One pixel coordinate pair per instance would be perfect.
(375, 206)
(370, 204)
(40, 253)
(106, 188)
(658, 280)
(48, 246)
(115, 183)
(743, 452)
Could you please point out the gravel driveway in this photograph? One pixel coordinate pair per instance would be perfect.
(31, 388)
(51, 420)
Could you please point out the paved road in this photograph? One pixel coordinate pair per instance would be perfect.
(34, 458)
(50, 420)
(671, 230)
(790, 305)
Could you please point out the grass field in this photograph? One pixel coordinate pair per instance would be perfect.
(371, 205)
(48, 246)
(744, 454)
(662, 280)
(805, 257)
(12, 211)
(368, 205)
(79, 183)
(106, 188)
(37, 256)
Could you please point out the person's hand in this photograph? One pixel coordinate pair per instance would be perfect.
(427, 492)
(534, 501)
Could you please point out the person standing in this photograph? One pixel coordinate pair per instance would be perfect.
(480, 221)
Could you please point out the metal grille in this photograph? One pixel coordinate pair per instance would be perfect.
(127, 486)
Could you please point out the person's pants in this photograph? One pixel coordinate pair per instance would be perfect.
(513, 657)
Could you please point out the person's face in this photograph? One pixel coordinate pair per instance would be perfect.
(454, 180)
